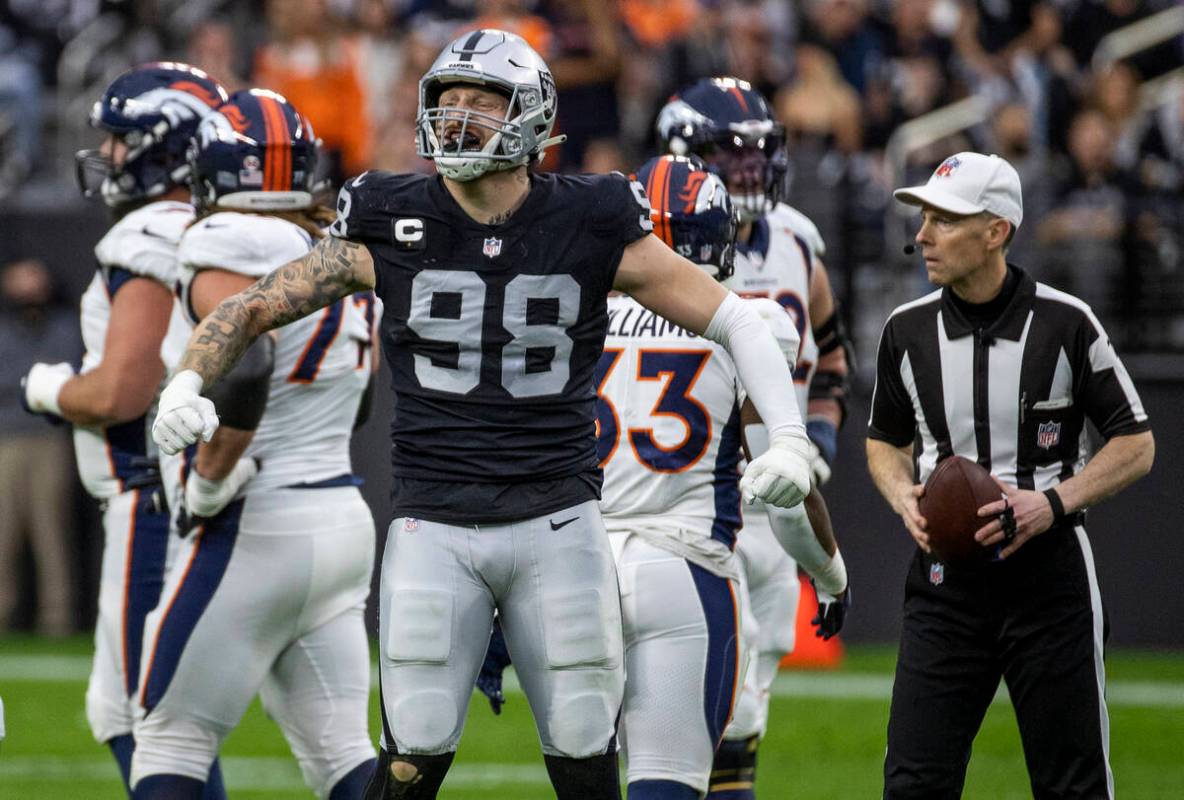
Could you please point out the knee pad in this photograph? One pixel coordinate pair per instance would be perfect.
(408, 777)
(734, 768)
(594, 778)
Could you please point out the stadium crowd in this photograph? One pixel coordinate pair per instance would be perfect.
(1101, 152)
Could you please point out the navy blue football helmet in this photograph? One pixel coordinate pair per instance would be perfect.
(692, 211)
(154, 110)
(257, 153)
(728, 124)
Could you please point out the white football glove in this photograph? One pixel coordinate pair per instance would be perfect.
(205, 497)
(182, 415)
(42, 386)
(781, 476)
(818, 466)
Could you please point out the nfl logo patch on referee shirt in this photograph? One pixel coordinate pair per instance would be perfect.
(1048, 434)
(411, 525)
(937, 574)
(493, 247)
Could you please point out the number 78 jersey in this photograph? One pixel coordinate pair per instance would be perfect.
(668, 425)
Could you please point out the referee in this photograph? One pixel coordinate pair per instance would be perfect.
(1004, 371)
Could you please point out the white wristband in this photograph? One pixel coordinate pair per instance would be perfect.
(832, 578)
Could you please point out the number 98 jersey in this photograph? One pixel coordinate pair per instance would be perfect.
(492, 333)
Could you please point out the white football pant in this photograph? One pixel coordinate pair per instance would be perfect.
(770, 582)
(266, 598)
(683, 662)
(553, 582)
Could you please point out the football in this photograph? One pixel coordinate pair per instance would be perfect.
(955, 491)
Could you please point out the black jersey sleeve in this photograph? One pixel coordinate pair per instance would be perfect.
(892, 418)
(366, 205)
(620, 208)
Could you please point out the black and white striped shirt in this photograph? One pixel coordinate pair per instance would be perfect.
(1013, 396)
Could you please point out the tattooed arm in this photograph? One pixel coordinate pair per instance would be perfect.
(333, 269)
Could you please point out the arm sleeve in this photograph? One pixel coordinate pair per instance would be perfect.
(1105, 389)
(892, 418)
(760, 363)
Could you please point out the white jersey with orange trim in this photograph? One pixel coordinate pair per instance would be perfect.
(322, 362)
(669, 434)
(777, 262)
(143, 244)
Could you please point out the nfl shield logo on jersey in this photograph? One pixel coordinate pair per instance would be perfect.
(1048, 434)
(493, 247)
(937, 573)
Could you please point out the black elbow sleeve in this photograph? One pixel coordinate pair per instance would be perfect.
(241, 395)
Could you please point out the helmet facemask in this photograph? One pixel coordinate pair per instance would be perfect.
(753, 166)
(494, 61)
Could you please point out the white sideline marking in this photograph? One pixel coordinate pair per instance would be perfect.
(257, 773)
(821, 685)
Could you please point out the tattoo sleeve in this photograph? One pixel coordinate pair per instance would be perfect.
(292, 291)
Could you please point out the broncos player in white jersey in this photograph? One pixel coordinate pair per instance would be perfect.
(148, 115)
(778, 252)
(494, 282)
(271, 596)
(670, 433)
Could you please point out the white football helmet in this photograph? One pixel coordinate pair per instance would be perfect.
(505, 63)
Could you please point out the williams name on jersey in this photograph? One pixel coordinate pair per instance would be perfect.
(492, 333)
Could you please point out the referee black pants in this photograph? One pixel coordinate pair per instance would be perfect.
(1034, 620)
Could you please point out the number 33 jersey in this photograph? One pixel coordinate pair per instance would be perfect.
(669, 433)
(322, 362)
(492, 333)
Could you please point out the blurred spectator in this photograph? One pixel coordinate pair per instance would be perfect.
(653, 24)
(316, 65)
(20, 110)
(585, 64)
(1162, 148)
(820, 111)
(1083, 234)
(1115, 92)
(843, 28)
(212, 47)
(991, 34)
(915, 76)
(1011, 137)
(36, 472)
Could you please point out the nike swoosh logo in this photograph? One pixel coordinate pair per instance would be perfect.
(216, 225)
(358, 180)
(557, 525)
(147, 232)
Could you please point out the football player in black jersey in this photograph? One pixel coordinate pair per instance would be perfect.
(494, 282)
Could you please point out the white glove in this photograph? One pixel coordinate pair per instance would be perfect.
(819, 469)
(205, 497)
(183, 415)
(42, 386)
(781, 476)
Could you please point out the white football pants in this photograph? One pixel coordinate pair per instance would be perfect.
(683, 662)
(266, 598)
(553, 582)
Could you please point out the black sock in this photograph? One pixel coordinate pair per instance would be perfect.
(430, 772)
(592, 778)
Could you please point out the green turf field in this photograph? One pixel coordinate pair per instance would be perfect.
(826, 739)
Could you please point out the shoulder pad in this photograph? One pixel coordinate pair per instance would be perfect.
(778, 321)
(802, 227)
(145, 241)
(366, 204)
(249, 244)
(616, 205)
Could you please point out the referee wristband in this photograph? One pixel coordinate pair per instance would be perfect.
(1058, 508)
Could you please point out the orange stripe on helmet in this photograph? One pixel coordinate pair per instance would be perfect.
(659, 192)
(740, 98)
(268, 153)
(278, 175)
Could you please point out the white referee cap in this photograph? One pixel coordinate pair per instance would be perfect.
(969, 183)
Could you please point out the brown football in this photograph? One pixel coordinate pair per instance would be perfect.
(955, 491)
